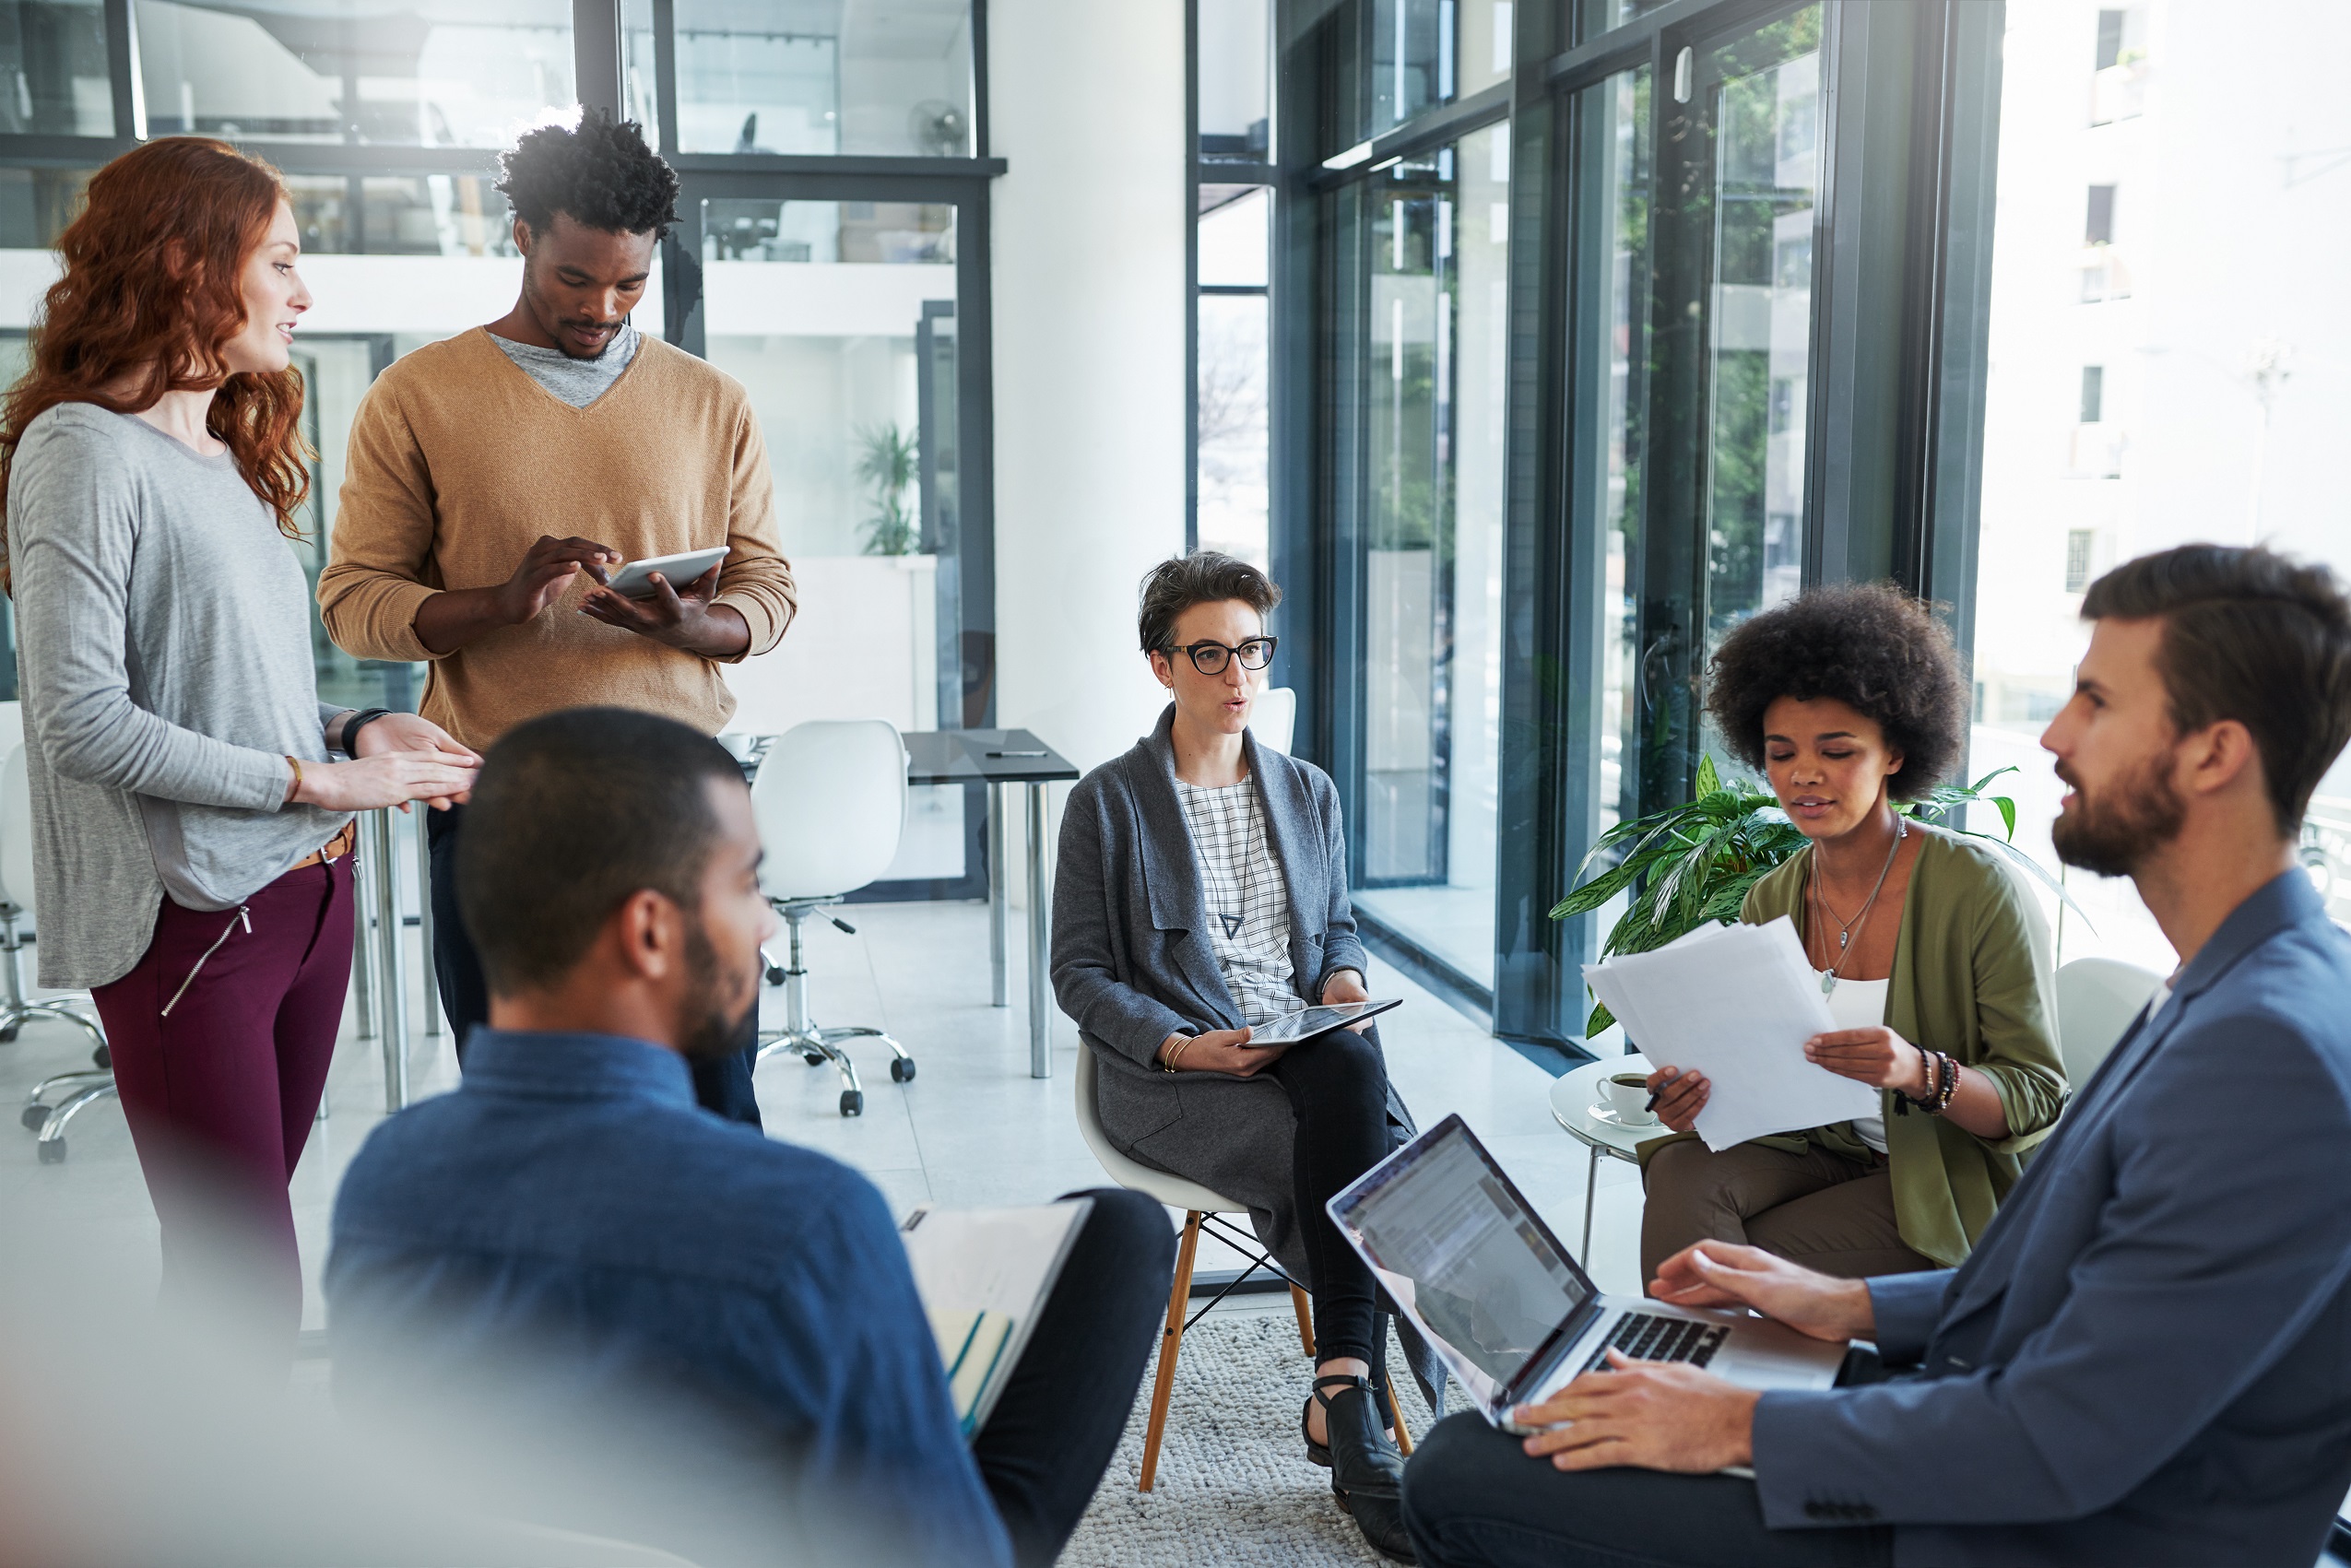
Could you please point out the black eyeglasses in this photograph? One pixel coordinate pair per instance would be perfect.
(1209, 658)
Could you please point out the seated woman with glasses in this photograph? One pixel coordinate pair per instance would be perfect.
(1933, 956)
(1203, 890)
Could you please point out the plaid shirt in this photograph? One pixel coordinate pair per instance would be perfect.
(1248, 906)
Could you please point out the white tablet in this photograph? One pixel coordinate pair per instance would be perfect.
(1308, 1022)
(633, 581)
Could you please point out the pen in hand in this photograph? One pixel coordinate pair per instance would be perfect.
(1650, 1109)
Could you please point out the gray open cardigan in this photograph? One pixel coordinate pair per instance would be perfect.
(1132, 964)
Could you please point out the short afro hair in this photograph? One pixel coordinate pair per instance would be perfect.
(1870, 646)
(601, 173)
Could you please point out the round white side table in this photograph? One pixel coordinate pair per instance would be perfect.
(1572, 1099)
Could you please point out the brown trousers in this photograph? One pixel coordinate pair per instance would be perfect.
(1816, 1209)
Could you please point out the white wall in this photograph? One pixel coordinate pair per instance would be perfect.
(1087, 107)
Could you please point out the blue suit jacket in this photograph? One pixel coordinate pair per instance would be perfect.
(2148, 1358)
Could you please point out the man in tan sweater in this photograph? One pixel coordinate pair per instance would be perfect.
(495, 479)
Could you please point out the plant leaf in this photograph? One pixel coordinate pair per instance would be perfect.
(1708, 780)
(1602, 1017)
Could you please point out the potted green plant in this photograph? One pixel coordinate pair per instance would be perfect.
(1693, 864)
(887, 462)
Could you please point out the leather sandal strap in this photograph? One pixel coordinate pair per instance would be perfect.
(1337, 1380)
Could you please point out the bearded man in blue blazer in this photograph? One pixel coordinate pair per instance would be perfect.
(2148, 1358)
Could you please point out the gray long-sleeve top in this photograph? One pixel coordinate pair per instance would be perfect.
(164, 660)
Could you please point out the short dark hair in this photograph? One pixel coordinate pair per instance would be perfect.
(574, 813)
(1203, 577)
(2250, 635)
(1867, 646)
(602, 173)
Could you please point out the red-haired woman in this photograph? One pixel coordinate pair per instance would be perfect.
(190, 831)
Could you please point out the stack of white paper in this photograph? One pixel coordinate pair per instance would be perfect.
(983, 1274)
(1736, 1003)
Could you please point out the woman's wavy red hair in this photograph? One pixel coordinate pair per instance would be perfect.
(153, 289)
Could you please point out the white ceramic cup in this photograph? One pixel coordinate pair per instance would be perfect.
(1628, 1095)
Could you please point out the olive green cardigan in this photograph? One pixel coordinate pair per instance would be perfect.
(1971, 979)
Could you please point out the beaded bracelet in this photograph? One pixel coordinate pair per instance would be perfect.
(1947, 1087)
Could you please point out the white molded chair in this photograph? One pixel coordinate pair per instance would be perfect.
(2097, 999)
(1202, 1210)
(831, 801)
(77, 1090)
(1273, 719)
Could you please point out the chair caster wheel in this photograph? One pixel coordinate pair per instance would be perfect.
(8, 1032)
(813, 1058)
(901, 1071)
(103, 1058)
(853, 1103)
(775, 977)
(35, 1116)
(53, 1152)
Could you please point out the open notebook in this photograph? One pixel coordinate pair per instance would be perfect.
(984, 1275)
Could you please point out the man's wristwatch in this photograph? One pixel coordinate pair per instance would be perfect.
(356, 722)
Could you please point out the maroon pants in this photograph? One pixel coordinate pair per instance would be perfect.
(220, 1089)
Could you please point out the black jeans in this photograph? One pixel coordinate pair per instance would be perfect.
(722, 1085)
(1059, 1419)
(1337, 1088)
(1474, 1499)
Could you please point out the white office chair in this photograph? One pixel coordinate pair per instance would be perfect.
(2097, 999)
(77, 1090)
(1273, 719)
(831, 800)
(1202, 1210)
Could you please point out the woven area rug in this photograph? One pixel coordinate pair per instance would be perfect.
(1234, 1484)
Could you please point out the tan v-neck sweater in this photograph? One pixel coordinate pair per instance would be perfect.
(459, 461)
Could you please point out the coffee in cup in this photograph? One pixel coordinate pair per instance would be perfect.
(1628, 1096)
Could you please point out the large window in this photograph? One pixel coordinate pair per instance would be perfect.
(2165, 328)
(1233, 201)
(1433, 393)
(1591, 385)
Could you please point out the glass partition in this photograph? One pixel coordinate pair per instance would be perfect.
(1434, 392)
(839, 319)
(873, 77)
(54, 75)
(436, 73)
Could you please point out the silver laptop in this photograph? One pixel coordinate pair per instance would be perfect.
(1515, 1317)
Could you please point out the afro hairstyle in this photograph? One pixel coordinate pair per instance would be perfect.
(601, 173)
(1870, 646)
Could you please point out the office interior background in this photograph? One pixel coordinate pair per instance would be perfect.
(1531, 344)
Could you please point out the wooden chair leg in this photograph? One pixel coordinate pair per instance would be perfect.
(1403, 1429)
(1306, 1321)
(1170, 1342)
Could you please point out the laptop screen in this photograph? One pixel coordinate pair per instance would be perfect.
(1485, 1275)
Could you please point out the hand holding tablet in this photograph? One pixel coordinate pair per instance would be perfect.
(634, 581)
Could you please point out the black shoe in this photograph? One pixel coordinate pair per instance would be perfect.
(1367, 1473)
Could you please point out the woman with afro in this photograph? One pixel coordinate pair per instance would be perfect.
(1935, 961)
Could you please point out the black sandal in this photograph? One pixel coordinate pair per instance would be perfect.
(1367, 1473)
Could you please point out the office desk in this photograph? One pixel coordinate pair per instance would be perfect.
(999, 759)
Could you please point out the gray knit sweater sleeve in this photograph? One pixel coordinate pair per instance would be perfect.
(73, 534)
(165, 664)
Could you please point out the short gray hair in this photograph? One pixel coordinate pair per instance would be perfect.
(1203, 577)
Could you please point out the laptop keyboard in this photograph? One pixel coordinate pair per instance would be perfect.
(1643, 1338)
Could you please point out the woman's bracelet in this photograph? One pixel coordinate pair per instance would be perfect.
(296, 787)
(1167, 1064)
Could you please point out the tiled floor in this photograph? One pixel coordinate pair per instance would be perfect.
(972, 1128)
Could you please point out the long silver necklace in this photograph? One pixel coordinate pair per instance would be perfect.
(1845, 931)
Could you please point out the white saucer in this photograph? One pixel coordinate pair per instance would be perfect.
(1607, 1115)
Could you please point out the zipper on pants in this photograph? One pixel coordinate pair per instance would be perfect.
(242, 917)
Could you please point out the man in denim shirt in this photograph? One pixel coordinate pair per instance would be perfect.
(569, 1244)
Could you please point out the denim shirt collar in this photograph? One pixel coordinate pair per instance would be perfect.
(547, 1064)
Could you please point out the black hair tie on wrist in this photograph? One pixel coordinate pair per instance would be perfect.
(357, 723)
